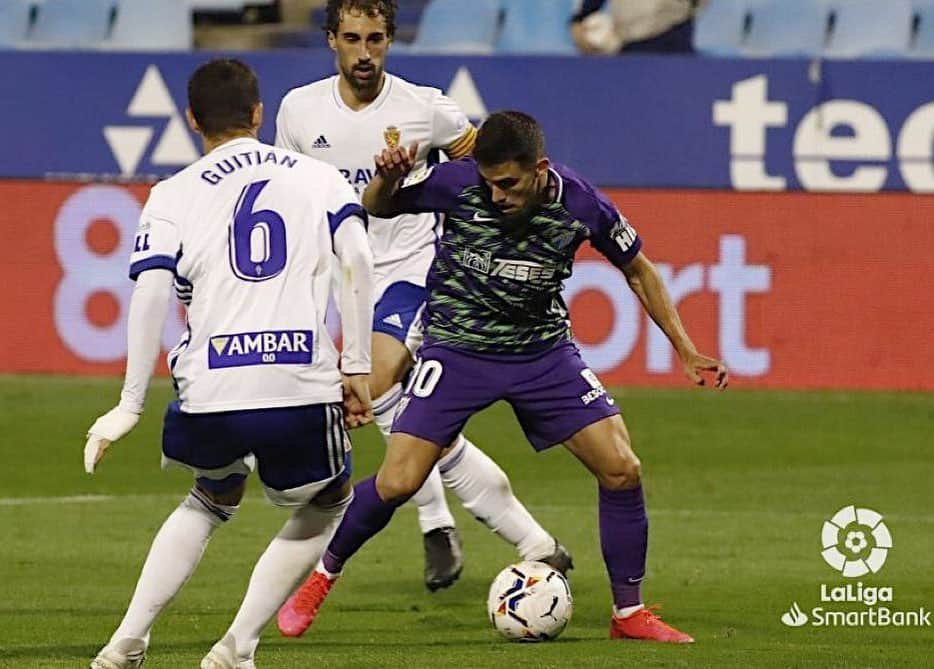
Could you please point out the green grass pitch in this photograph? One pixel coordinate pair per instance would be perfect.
(738, 485)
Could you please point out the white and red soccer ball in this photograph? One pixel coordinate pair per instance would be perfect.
(530, 601)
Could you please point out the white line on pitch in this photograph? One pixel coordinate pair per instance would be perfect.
(71, 499)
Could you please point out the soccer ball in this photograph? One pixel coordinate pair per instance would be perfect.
(530, 601)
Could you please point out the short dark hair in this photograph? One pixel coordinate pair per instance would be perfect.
(222, 94)
(510, 136)
(371, 8)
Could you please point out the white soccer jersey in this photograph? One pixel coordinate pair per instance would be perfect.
(248, 231)
(314, 120)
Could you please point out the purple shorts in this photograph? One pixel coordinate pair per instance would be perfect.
(553, 393)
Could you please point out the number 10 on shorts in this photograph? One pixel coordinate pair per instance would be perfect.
(425, 378)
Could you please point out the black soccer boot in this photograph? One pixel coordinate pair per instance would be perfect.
(444, 558)
(560, 560)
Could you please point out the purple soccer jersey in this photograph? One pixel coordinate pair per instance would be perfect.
(496, 325)
(495, 286)
(497, 329)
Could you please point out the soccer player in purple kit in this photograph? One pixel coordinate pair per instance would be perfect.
(496, 328)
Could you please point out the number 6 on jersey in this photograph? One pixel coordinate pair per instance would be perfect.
(257, 238)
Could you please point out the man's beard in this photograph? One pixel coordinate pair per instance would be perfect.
(361, 85)
(517, 224)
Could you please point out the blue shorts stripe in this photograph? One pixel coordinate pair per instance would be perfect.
(338, 439)
(332, 458)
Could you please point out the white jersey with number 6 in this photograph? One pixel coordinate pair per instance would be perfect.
(248, 231)
(314, 120)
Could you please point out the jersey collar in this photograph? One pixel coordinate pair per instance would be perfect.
(370, 108)
(559, 184)
(235, 142)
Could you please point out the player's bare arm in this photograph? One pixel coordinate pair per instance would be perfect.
(392, 166)
(646, 283)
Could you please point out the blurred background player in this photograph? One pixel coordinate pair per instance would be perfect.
(344, 120)
(496, 328)
(635, 26)
(247, 233)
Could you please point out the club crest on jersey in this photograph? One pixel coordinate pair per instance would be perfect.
(278, 347)
(477, 260)
(393, 136)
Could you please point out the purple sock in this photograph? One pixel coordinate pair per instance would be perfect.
(365, 517)
(624, 538)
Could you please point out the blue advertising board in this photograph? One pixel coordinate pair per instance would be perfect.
(643, 122)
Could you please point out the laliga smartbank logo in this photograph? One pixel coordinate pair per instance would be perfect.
(855, 542)
(865, 544)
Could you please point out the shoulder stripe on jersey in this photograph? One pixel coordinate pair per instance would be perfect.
(345, 212)
(153, 262)
(463, 145)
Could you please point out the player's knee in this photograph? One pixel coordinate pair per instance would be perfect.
(625, 473)
(399, 485)
(228, 492)
(396, 490)
(219, 507)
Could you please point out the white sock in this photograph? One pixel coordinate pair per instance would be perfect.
(484, 490)
(173, 556)
(627, 611)
(285, 562)
(433, 511)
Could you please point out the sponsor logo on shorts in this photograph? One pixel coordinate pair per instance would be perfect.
(593, 395)
(597, 390)
(278, 347)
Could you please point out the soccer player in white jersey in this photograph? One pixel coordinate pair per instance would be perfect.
(248, 234)
(344, 120)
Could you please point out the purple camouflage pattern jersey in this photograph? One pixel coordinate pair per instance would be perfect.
(495, 286)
